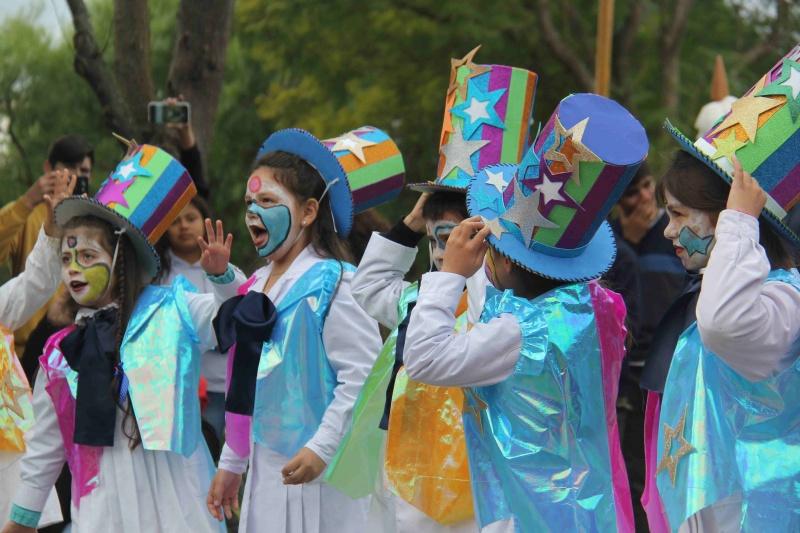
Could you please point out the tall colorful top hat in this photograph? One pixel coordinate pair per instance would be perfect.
(487, 116)
(548, 213)
(143, 195)
(762, 130)
(362, 168)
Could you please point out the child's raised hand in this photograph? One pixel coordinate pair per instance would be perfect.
(746, 194)
(466, 247)
(414, 219)
(216, 251)
(304, 467)
(63, 185)
(224, 493)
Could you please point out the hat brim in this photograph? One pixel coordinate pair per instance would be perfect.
(304, 145)
(591, 262)
(77, 206)
(687, 145)
(431, 187)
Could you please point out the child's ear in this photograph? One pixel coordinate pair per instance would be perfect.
(507, 264)
(310, 212)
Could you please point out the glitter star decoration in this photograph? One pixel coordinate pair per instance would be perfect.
(478, 109)
(475, 70)
(113, 191)
(788, 85)
(668, 461)
(494, 226)
(745, 112)
(495, 179)
(131, 168)
(568, 150)
(525, 214)
(10, 393)
(457, 153)
(727, 146)
(352, 143)
(473, 405)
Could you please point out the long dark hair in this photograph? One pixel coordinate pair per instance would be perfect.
(697, 186)
(127, 285)
(304, 182)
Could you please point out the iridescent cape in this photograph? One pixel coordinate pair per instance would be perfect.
(543, 443)
(161, 358)
(728, 435)
(295, 381)
(16, 411)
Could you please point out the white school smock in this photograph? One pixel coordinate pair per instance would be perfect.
(377, 286)
(20, 298)
(214, 364)
(138, 490)
(352, 342)
(749, 324)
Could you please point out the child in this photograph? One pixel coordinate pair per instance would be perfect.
(720, 440)
(541, 368)
(20, 297)
(426, 464)
(303, 346)
(180, 255)
(116, 397)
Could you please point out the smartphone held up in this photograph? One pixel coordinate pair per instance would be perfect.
(163, 113)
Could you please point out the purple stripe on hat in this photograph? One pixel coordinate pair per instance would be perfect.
(778, 165)
(607, 189)
(375, 189)
(788, 189)
(546, 131)
(499, 78)
(174, 194)
(377, 200)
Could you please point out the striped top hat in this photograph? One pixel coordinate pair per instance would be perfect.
(143, 196)
(548, 214)
(487, 116)
(362, 167)
(762, 130)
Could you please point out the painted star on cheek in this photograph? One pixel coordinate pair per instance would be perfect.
(694, 243)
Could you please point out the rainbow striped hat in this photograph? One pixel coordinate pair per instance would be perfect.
(363, 167)
(548, 214)
(487, 118)
(762, 130)
(143, 195)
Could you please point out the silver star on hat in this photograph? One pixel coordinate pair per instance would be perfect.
(525, 213)
(457, 153)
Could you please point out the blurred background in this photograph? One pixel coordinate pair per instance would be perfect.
(249, 67)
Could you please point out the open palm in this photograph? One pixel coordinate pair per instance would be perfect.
(216, 250)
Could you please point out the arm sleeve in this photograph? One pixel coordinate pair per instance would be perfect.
(12, 223)
(352, 343)
(748, 323)
(378, 282)
(228, 460)
(23, 295)
(435, 354)
(203, 308)
(44, 456)
(192, 160)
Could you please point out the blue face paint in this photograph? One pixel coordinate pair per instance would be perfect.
(277, 221)
(694, 243)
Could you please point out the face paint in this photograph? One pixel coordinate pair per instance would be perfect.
(438, 233)
(691, 233)
(276, 221)
(86, 267)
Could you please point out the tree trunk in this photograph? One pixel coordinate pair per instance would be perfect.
(198, 62)
(132, 60)
(673, 29)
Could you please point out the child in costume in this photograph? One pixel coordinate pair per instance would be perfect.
(303, 345)
(541, 369)
(116, 395)
(723, 405)
(20, 298)
(425, 458)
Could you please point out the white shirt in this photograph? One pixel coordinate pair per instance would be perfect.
(379, 281)
(214, 364)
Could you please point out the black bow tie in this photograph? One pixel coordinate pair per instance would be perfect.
(247, 321)
(90, 350)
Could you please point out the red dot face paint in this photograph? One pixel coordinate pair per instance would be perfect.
(254, 184)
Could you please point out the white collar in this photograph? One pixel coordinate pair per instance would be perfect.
(85, 313)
